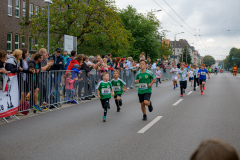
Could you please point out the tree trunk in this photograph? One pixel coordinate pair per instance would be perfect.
(27, 25)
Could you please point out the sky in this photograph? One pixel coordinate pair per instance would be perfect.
(211, 26)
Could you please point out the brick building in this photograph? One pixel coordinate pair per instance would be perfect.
(12, 13)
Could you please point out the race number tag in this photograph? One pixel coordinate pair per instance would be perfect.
(143, 86)
(117, 88)
(106, 91)
(174, 72)
(181, 78)
(203, 73)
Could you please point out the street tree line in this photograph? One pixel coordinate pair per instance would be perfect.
(232, 59)
(100, 27)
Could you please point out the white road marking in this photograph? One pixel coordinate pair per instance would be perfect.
(144, 129)
(177, 102)
(189, 92)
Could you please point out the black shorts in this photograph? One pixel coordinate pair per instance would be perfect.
(190, 78)
(202, 80)
(103, 101)
(118, 95)
(183, 84)
(145, 96)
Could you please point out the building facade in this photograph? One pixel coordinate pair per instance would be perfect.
(178, 47)
(12, 13)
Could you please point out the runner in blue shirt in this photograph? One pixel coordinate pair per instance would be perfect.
(202, 77)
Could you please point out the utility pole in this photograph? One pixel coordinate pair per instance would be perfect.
(27, 22)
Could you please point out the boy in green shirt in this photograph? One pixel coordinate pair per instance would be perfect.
(145, 78)
(104, 89)
(118, 88)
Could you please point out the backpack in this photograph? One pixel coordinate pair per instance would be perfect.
(24, 107)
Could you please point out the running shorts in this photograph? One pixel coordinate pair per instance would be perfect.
(145, 96)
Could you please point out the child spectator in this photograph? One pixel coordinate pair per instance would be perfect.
(69, 86)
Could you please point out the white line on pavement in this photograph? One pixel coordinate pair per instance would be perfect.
(177, 102)
(189, 92)
(144, 129)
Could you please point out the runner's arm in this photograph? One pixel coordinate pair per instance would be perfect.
(150, 84)
(124, 89)
(98, 94)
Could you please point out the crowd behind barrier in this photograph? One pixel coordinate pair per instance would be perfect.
(52, 92)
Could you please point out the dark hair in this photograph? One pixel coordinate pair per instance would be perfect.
(109, 54)
(80, 57)
(37, 56)
(73, 53)
(114, 60)
(24, 51)
(103, 56)
(142, 60)
(2, 53)
(214, 149)
(85, 57)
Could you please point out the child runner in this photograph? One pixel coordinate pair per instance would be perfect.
(145, 78)
(191, 76)
(202, 77)
(174, 75)
(182, 75)
(158, 76)
(104, 89)
(117, 85)
(195, 70)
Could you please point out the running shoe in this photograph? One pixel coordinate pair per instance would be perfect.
(118, 109)
(104, 118)
(204, 88)
(120, 102)
(150, 108)
(37, 108)
(144, 117)
(176, 85)
(69, 100)
(201, 93)
(181, 95)
(194, 89)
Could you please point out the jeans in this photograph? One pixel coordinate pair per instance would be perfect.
(129, 80)
(69, 93)
(158, 80)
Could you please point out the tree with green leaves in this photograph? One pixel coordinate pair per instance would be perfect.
(183, 59)
(233, 58)
(144, 31)
(95, 23)
(208, 60)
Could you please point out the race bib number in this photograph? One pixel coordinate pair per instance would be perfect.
(143, 86)
(106, 91)
(203, 73)
(181, 78)
(117, 88)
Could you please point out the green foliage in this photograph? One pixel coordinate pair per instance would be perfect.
(189, 58)
(145, 33)
(95, 23)
(233, 58)
(208, 60)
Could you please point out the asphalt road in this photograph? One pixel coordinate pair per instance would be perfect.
(78, 132)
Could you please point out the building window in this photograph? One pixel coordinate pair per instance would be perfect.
(10, 7)
(36, 10)
(17, 8)
(30, 43)
(24, 8)
(16, 41)
(23, 41)
(30, 10)
(9, 42)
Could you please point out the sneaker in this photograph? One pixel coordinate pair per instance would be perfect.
(118, 109)
(194, 89)
(201, 93)
(150, 108)
(104, 118)
(69, 100)
(37, 108)
(176, 85)
(144, 117)
(120, 102)
(204, 88)
(87, 98)
(74, 101)
(191, 85)
(181, 95)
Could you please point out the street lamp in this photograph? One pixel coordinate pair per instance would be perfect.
(147, 19)
(49, 2)
(175, 44)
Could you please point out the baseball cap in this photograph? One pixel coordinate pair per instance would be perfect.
(58, 50)
(76, 66)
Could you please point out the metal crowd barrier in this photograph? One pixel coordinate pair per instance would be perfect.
(48, 88)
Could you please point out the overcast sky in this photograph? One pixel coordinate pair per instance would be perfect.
(216, 21)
